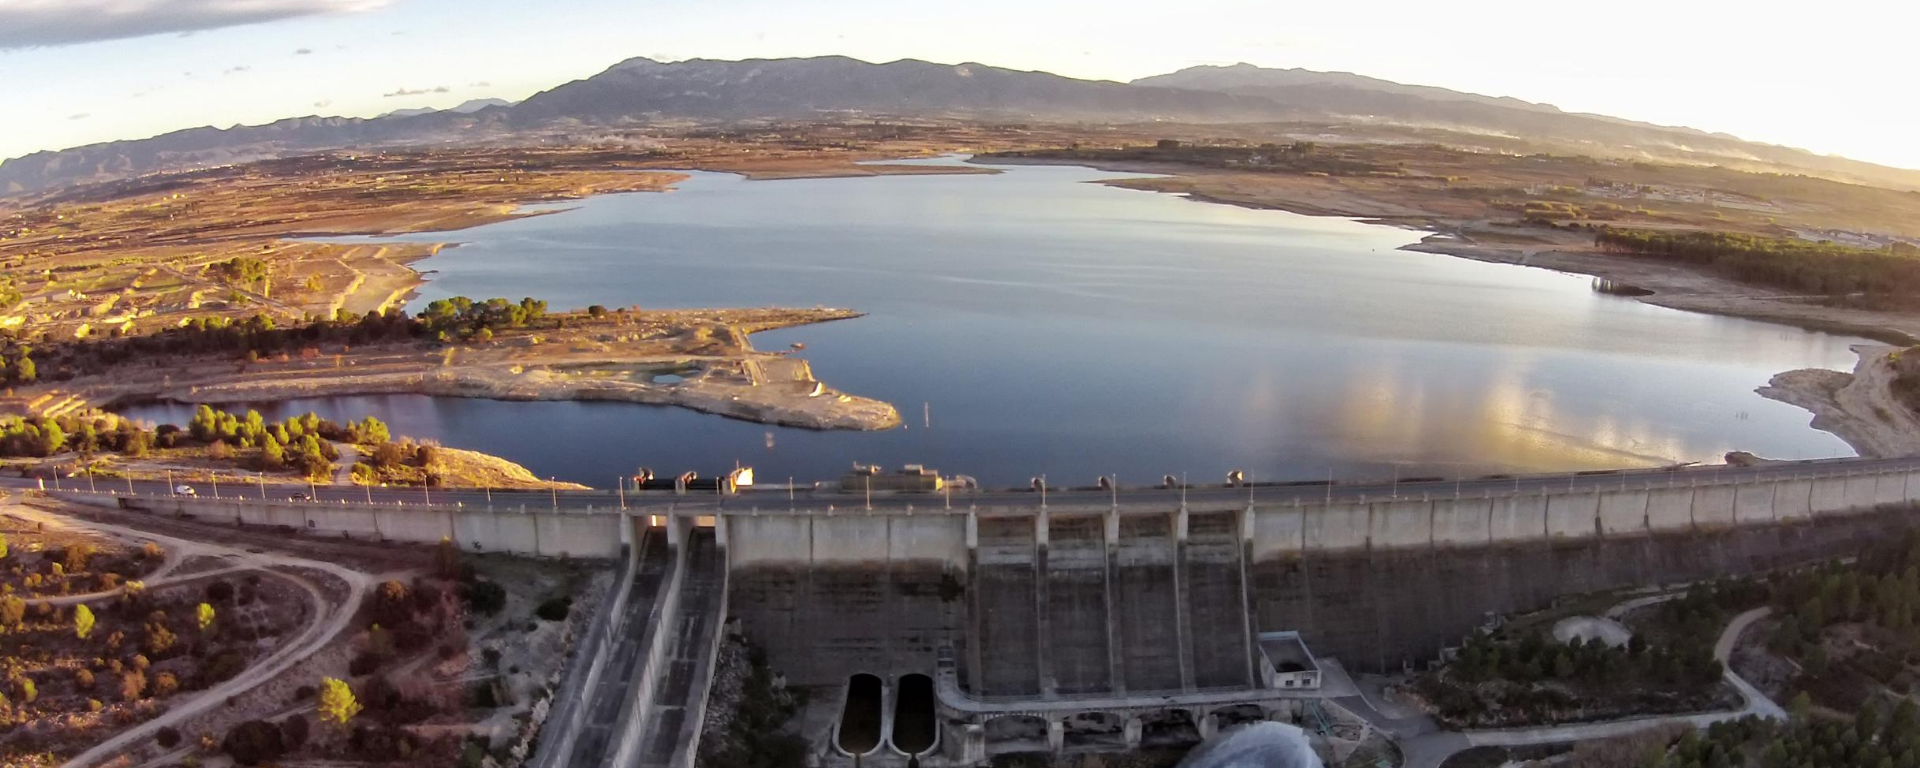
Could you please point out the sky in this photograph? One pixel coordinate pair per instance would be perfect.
(1832, 77)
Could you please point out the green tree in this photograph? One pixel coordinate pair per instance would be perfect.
(203, 616)
(82, 621)
(1800, 707)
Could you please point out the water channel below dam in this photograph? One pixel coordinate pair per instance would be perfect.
(1032, 322)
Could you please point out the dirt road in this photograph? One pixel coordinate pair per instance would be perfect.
(329, 621)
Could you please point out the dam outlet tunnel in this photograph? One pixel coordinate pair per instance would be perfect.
(862, 716)
(915, 723)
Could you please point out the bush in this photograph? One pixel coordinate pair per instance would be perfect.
(363, 664)
(555, 609)
(167, 738)
(223, 667)
(486, 597)
(383, 744)
(392, 606)
(220, 591)
(165, 684)
(294, 731)
(254, 742)
(132, 684)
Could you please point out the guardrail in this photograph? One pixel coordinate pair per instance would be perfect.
(1156, 497)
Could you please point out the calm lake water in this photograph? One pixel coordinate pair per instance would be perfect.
(1055, 326)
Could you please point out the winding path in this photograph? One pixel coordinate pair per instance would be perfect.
(329, 620)
(1432, 748)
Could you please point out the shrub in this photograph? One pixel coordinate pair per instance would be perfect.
(391, 604)
(337, 703)
(167, 738)
(220, 591)
(555, 609)
(383, 744)
(165, 684)
(132, 684)
(83, 679)
(223, 667)
(254, 742)
(486, 597)
(363, 664)
(294, 731)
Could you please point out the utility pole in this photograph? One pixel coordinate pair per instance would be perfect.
(553, 493)
(216, 485)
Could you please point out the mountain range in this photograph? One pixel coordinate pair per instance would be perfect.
(640, 90)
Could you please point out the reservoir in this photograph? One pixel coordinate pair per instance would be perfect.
(1032, 322)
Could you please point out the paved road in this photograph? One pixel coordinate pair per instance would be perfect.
(771, 500)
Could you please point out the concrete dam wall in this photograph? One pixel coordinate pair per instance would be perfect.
(1138, 592)
(1087, 599)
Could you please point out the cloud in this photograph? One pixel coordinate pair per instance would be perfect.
(39, 23)
(303, 51)
(81, 116)
(417, 91)
(323, 103)
(234, 70)
(480, 84)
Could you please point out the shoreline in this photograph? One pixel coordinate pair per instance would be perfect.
(1853, 406)
(715, 369)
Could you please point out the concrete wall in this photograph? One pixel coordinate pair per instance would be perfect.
(541, 533)
(1375, 582)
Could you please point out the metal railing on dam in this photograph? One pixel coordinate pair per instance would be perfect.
(1284, 517)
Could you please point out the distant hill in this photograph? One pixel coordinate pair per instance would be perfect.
(640, 90)
(1343, 95)
(467, 107)
(704, 88)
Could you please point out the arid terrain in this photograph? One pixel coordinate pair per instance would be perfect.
(196, 631)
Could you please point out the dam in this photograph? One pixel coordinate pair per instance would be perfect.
(1096, 619)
